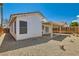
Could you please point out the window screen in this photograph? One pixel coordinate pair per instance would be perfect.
(23, 27)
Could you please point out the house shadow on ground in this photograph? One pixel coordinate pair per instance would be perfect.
(9, 43)
(60, 37)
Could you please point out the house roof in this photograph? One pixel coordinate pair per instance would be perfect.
(60, 23)
(29, 13)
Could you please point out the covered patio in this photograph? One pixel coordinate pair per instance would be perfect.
(51, 28)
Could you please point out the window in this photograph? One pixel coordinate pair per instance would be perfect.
(23, 27)
(15, 27)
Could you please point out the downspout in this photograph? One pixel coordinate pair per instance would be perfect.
(51, 31)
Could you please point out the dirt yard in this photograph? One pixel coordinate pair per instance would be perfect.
(42, 46)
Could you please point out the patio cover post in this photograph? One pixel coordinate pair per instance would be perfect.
(60, 29)
(51, 30)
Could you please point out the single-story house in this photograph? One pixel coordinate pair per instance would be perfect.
(33, 24)
(26, 25)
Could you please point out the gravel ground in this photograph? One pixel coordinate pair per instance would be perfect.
(42, 46)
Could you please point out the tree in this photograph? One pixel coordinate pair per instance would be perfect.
(1, 4)
(74, 24)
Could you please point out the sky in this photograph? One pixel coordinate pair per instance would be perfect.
(57, 12)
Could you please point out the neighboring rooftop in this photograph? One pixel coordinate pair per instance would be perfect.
(58, 23)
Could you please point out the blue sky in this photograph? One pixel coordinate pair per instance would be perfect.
(56, 12)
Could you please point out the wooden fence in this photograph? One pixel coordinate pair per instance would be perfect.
(1, 31)
(67, 30)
